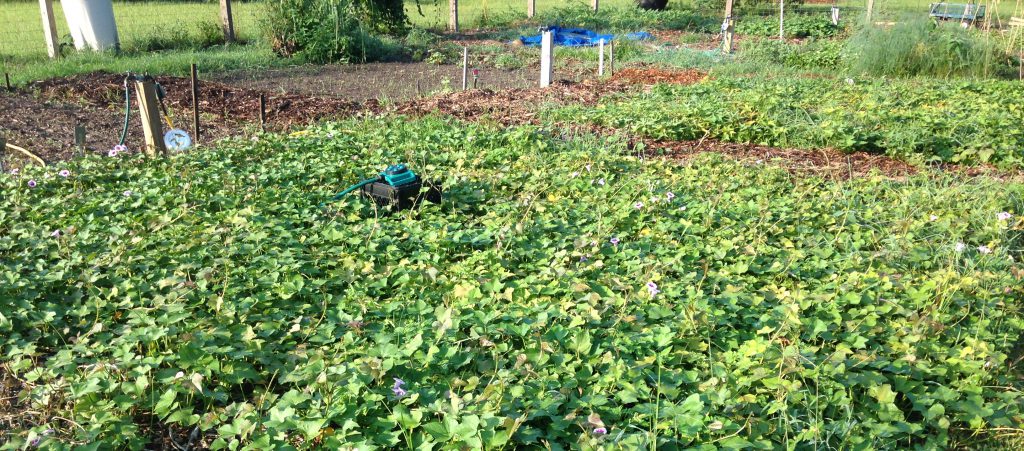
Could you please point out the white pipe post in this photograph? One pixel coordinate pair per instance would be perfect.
(547, 42)
(531, 8)
(465, 67)
(594, 2)
(871, 6)
(835, 15)
(49, 27)
(600, 58)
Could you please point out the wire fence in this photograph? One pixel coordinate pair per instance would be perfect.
(141, 26)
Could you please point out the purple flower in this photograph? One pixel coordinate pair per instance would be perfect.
(669, 196)
(614, 241)
(127, 193)
(64, 173)
(397, 388)
(112, 153)
(583, 258)
(638, 205)
(56, 233)
(14, 171)
(600, 182)
(1003, 216)
(588, 167)
(933, 218)
(31, 183)
(652, 288)
(984, 250)
(600, 431)
(575, 174)
(121, 148)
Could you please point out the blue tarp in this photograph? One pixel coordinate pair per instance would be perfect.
(579, 37)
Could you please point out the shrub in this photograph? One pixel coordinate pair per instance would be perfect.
(922, 47)
(816, 54)
(796, 26)
(323, 31)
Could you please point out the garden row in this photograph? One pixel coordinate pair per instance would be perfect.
(560, 292)
(918, 120)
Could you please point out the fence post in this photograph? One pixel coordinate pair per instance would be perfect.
(3, 151)
(547, 42)
(727, 28)
(465, 67)
(531, 8)
(453, 15)
(80, 139)
(782, 20)
(611, 57)
(594, 2)
(49, 27)
(263, 112)
(227, 21)
(149, 111)
(7, 81)
(195, 104)
(600, 58)
(871, 6)
(835, 15)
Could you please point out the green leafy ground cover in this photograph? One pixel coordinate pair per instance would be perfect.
(560, 292)
(919, 120)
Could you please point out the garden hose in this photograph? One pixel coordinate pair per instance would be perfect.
(29, 154)
(127, 109)
(352, 188)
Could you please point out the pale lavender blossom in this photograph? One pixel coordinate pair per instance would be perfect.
(614, 241)
(127, 193)
(64, 173)
(669, 196)
(32, 184)
(583, 258)
(56, 233)
(14, 171)
(600, 431)
(575, 174)
(933, 218)
(638, 205)
(397, 388)
(984, 250)
(112, 153)
(960, 246)
(652, 288)
(588, 167)
(1004, 216)
(600, 182)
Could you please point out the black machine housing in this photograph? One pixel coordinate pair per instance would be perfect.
(404, 196)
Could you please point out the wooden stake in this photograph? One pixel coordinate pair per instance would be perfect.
(227, 21)
(782, 20)
(727, 28)
(611, 57)
(49, 28)
(3, 152)
(594, 4)
(871, 7)
(149, 111)
(195, 104)
(600, 58)
(7, 81)
(80, 139)
(465, 67)
(263, 112)
(531, 8)
(453, 15)
(547, 43)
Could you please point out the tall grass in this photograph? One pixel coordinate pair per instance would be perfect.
(923, 48)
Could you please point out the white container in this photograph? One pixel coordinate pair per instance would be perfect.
(91, 23)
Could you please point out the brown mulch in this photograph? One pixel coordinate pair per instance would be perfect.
(230, 106)
(650, 76)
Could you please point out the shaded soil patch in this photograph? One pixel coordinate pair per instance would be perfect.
(380, 81)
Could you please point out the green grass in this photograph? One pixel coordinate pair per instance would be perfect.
(210, 292)
(137, 23)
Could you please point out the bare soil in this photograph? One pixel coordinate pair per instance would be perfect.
(42, 117)
(381, 81)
